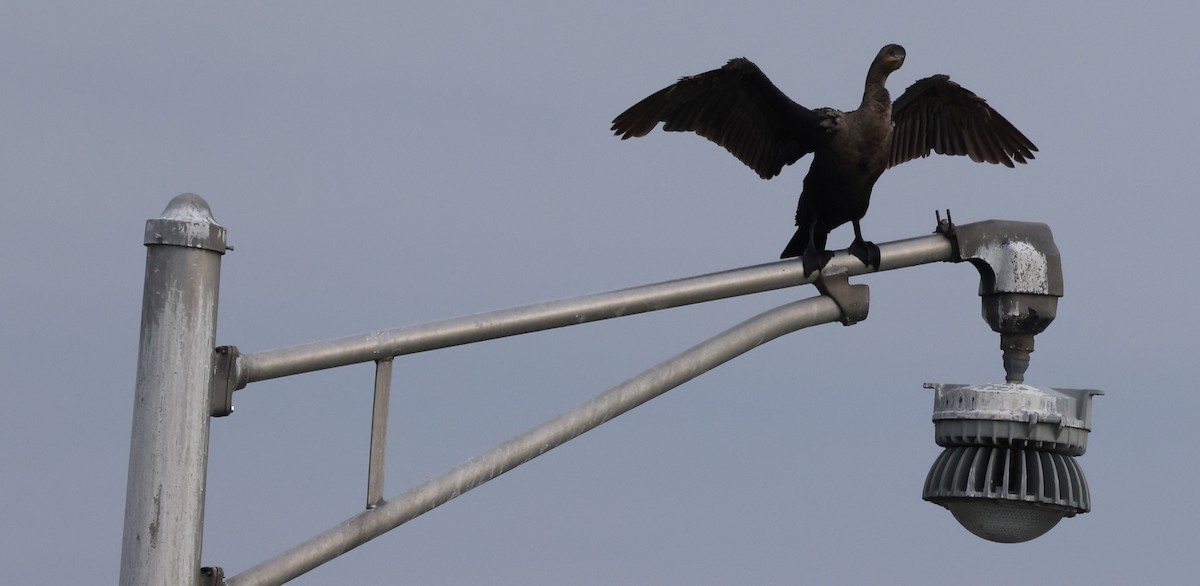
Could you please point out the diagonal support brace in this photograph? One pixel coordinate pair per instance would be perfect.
(853, 300)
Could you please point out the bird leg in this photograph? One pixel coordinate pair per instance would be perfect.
(865, 251)
(815, 259)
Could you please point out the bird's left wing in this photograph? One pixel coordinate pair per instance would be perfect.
(736, 107)
(938, 115)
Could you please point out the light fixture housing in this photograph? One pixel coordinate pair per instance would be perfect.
(1008, 472)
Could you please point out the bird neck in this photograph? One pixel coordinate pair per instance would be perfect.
(875, 95)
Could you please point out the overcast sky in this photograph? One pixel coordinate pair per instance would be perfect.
(378, 164)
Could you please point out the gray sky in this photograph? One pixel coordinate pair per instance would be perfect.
(378, 165)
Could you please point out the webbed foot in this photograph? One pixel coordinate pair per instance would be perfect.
(815, 260)
(865, 251)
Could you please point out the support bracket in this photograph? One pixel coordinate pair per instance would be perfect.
(853, 300)
(212, 576)
(379, 420)
(224, 381)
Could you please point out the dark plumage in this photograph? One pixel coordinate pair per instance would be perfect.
(738, 108)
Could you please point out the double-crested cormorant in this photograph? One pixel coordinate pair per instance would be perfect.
(738, 108)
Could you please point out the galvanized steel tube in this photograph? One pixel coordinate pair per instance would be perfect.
(256, 366)
(168, 454)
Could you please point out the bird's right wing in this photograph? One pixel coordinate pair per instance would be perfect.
(736, 107)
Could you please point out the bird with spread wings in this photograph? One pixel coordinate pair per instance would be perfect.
(739, 108)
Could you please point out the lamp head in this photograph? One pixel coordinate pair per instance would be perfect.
(1008, 473)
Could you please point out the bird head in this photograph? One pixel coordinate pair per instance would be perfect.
(892, 56)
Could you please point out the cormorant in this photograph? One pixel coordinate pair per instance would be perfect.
(738, 108)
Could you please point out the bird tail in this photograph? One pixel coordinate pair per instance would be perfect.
(798, 244)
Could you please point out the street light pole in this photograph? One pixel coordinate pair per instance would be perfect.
(168, 454)
(182, 381)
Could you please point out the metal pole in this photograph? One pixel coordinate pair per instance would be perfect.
(168, 454)
(649, 384)
(379, 420)
(256, 366)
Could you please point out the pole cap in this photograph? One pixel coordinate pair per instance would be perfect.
(187, 221)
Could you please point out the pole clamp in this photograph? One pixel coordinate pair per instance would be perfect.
(212, 576)
(853, 300)
(224, 381)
